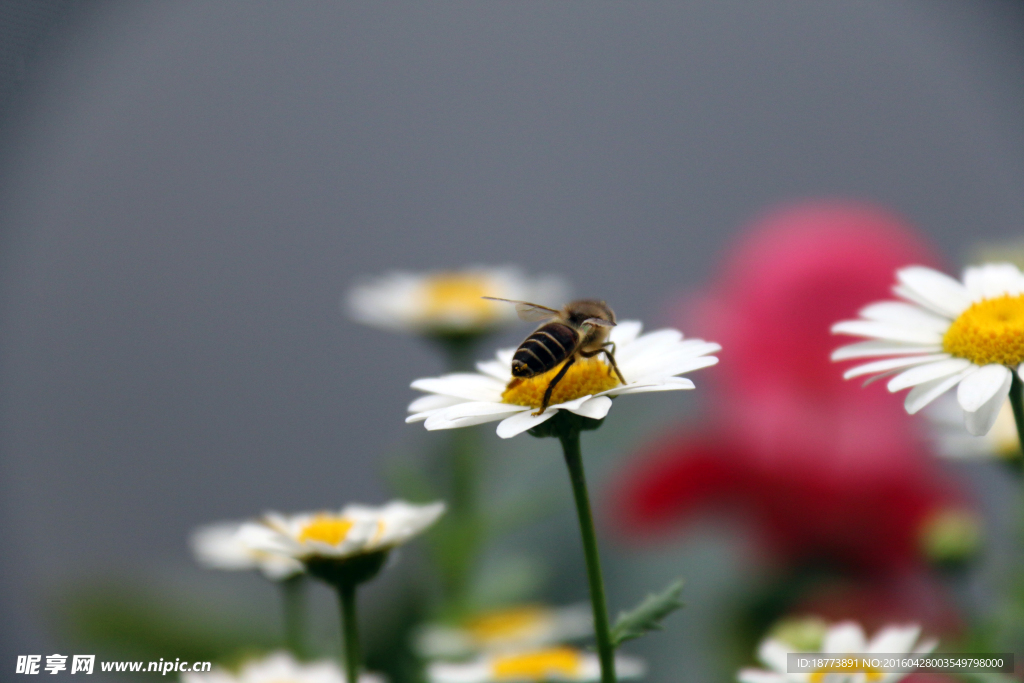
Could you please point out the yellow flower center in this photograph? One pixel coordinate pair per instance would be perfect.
(457, 294)
(990, 331)
(506, 624)
(326, 529)
(819, 675)
(586, 377)
(539, 665)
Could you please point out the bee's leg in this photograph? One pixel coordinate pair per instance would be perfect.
(609, 356)
(551, 385)
(611, 359)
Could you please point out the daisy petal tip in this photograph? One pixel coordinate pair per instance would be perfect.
(837, 328)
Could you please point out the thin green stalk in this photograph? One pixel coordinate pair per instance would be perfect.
(349, 630)
(293, 593)
(465, 511)
(464, 519)
(570, 439)
(1017, 402)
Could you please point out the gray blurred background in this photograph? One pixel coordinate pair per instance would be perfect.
(187, 189)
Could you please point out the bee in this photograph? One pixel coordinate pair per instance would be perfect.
(580, 329)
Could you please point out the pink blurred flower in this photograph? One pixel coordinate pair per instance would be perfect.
(827, 471)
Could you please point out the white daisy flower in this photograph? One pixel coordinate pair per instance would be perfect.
(354, 530)
(649, 362)
(448, 302)
(555, 664)
(1001, 442)
(522, 627)
(845, 638)
(279, 667)
(945, 334)
(220, 546)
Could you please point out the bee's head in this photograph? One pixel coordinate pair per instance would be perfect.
(579, 311)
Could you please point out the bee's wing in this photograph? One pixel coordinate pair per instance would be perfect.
(532, 313)
(599, 322)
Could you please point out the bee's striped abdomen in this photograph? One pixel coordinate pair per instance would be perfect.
(544, 349)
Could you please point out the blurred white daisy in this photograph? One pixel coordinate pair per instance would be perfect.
(945, 334)
(845, 638)
(448, 302)
(1000, 443)
(354, 530)
(279, 667)
(649, 362)
(221, 546)
(515, 628)
(554, 664)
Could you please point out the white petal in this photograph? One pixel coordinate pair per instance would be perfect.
(881, 376)
(923, 394)
(466, 385)
(900, 313)
(504, 356)
(926, 373)
(891, 364)
(759, 676)
(993, 280)
(474, 408)
(667, 384)
(570, 405)
(845, 638)
(649, 341)
(868, 349)
(676, 367)
(887, 331)
(478, 671)
(773, 653)
(926, 646)
(517, 424)
(595, 408)
(977, 389)
(626, 331)
(425, 415)
(905, 293)
(940, 292)
(660, 361)
(432, 402)
(479, 413)
(893, 639)
(261, 537)
(980, 420)
(496, 369)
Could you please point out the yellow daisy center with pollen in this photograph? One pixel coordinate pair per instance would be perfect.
(457, 294)
(585, 377)
(327, 529)
(506, 624)
(990, 331)
(539, 665)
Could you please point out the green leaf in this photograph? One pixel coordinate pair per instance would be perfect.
(648, 615)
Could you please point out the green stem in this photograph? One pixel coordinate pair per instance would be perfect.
(293, 592)
(464, 520)
(570, 439)
(349, 629)
(1017, 403)
(465, 511)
